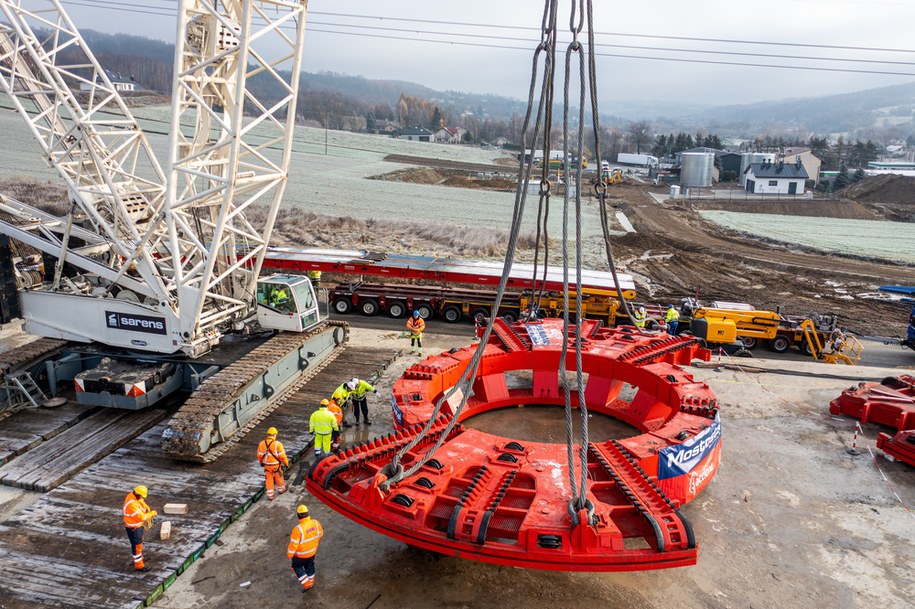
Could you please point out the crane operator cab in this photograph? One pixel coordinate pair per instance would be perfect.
(286, 302)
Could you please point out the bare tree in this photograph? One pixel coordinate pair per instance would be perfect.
(640, 135)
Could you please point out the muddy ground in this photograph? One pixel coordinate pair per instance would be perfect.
(673, 253)
(790, 521)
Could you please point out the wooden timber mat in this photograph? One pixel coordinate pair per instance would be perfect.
(69, 548)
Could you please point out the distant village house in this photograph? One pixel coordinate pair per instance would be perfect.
(450, 135)
(808, 160)
(417, 134)
(385, 126)
(120, 83)
(776, 178)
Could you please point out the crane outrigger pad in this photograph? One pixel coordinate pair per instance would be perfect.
(507, 501)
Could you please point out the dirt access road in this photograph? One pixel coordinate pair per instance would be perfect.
(675, 252)
(790, 521)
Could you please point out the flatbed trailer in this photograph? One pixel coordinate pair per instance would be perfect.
(455, 304)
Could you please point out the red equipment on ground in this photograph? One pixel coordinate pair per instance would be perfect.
(507, 501)
(890, 402)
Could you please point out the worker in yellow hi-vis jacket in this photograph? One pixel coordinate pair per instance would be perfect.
(322, 424)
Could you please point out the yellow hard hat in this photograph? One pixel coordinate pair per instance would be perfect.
(141, 491)
(302, 511)
(325, 402)
(272, 431)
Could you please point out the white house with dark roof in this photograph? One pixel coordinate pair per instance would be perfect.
(118, 81)
(776, 178)
(417, 134)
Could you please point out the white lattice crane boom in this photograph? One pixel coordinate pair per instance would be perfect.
(168, 252)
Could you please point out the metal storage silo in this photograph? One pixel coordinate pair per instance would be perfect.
(753, 157)
(696, 169)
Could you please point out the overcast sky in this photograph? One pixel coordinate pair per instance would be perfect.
(393, 40)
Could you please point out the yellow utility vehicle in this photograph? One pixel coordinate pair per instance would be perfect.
(818, 336)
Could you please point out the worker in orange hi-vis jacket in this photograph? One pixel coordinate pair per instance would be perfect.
(136, 516)
(337, 412)
(303, 546)
(416, 325)
(272, 457)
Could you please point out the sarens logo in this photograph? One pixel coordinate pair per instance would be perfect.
(135, 323)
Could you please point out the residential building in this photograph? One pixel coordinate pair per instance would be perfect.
(808, 160)
(776, 178)
(417, 134)
(450, 135)
(385, 126)
(120, 83)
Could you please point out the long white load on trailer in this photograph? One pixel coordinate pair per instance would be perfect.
(478, 272)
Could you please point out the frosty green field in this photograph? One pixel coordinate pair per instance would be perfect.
(329, 175)
(891, 241)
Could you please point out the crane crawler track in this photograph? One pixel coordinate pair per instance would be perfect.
(218, 397)
(22, 356)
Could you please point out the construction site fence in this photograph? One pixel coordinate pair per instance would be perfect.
(739, 194)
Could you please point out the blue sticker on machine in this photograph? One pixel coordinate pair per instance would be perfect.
(538, 337)
(677, 460)
(398, 413)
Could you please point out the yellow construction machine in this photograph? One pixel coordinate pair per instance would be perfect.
(817, 336)
(614, 176)
(839, 348)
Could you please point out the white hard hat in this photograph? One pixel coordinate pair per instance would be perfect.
(351, 385)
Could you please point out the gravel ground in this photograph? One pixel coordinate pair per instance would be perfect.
(790, 521)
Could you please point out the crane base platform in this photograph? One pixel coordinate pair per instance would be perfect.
(501, 500)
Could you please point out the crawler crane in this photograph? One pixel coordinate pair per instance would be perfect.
(156, 264)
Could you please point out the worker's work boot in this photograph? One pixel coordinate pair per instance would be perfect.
(367, 422)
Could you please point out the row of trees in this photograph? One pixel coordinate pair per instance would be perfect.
(669, 145)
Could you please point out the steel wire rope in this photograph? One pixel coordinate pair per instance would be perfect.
(545, 193)
(582, 405)
(602, 195)
(394, 470)
(576, 500)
